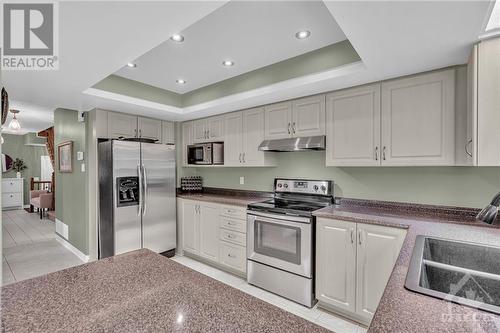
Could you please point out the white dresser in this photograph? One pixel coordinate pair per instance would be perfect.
(12, 193)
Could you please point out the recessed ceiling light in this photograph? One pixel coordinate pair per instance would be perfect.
(302, 34)
(131, 65)
(180, 81)
(177, 38)
(228, 63)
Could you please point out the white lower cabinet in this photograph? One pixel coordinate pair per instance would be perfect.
(353, 264)
(216, 233)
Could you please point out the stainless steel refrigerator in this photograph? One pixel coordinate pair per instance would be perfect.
(137, 207)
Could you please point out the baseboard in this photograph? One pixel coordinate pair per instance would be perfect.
(78, 253)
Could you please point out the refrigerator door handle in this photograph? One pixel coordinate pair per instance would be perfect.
(145, 190)
(139, 174)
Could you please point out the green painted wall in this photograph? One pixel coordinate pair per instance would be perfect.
(70, 187)
(456, 186)
(316, 61)
(14, 147)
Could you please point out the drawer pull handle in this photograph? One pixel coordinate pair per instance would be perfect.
(231, 255)
(230, 223)
(230, 236)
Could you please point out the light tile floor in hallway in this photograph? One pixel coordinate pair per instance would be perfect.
(316, 315)
(30, 248)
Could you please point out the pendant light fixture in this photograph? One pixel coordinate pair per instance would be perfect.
(14, 123)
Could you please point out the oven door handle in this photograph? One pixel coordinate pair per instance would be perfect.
(266, 217)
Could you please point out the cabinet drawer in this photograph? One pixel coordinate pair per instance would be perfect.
(233, 211)
(233, 237)
(12, 186)
(233, 224)
(233, 256)
(11, 199)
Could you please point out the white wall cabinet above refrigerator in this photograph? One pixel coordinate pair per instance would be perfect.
(122, 125)
(298, 118)
(403, 122)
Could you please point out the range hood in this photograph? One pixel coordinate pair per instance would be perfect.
(294, 144)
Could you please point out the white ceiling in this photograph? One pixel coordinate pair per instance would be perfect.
(253, 34)
(392, 39)
(32, 117)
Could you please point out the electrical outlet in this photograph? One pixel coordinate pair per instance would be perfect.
(242, 180)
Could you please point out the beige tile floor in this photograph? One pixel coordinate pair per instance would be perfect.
(320, 317)
(30, 248)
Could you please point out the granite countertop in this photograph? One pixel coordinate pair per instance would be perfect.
(139, 291)
(402, 310)
(227, 196)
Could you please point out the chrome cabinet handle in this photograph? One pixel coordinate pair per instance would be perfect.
(383, 153)
(140, 133)
(244, 158)
(360, 233)
(240, 158)
(135, 133)
(231, 256)
(467, 146)
(352, 235)
(293, 128)
(230, 236)
(289, 131)
(376, 153)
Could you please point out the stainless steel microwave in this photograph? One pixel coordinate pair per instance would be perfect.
(206, 153)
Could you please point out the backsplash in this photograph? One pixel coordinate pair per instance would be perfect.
(454, 186)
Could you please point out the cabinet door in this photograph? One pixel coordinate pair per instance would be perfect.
(378, 250)
(190, 226)
(336, 263)
(253, 135)
(121, 125)
(232, 144)
(418, 120)
(167, 132)
(215, 129)
(209, 231)
(200, 131)
(470, 145)
(488, 103)
(187, 139)
(149, 128)
(308, 116)
(353, 127)
(278, 120)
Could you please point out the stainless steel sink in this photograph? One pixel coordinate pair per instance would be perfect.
(460, 272)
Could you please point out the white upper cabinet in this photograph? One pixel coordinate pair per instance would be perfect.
(277, 122)
(418, 120)
(187, 139)
(149, 128)
(301, 117)
(209, 129)
(308, 116)
(487, 113)
(215, 128)
(122, 125)
(353, 127)
(233, 123)
(377, 252)
(244, 133)
(200, 130)
(167, 132)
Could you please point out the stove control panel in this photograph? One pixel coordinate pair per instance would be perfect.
(321, 187)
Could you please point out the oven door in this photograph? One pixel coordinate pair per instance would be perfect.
(284, 242)
(200, 154)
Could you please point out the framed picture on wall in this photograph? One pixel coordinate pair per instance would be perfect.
(65, 154)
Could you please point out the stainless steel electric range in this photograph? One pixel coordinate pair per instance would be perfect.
(281, 238)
